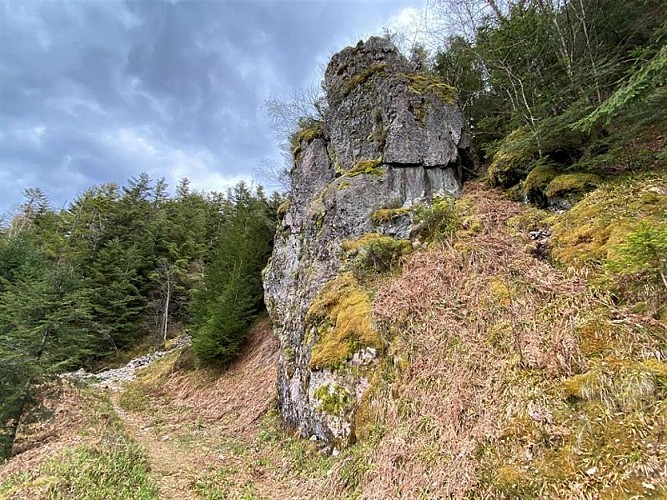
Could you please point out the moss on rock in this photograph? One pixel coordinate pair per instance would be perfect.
(588, 232)
(361, 77)
(375, 253)
(283, 208)
(426, 83)
(384, 215)
(514, 158)
(572, 184)
(308, 132)
(368, 167)
(342, 315)
(334, 399)
(535, 184)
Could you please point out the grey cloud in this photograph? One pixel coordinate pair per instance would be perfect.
(99, 91)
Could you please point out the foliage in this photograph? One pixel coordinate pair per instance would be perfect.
(586, 234)
(232, 289)
(309, 130)
(375, 253)
(437, 220)
(45, 326)
(582, 67)
(368, 167)
(361, 77)
(643, 251)
(108, 470)
(647, 79)
(115, 269)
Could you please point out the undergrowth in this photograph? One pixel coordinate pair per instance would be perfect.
(114, 468)
(101, 463)
(507, 376)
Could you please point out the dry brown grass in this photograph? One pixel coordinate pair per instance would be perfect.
(36, 440)
(238, 397)
(48, 453)
(483, 336)
(213, 434)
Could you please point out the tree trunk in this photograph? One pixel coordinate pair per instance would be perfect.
(165, 319)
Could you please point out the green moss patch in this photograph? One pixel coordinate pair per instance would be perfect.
(574, 183)
(367, 167)
(513, 158)
(439, 219)
(540, 177)
(308, 132)
(341, 313)
(334, 399)
(385, 215)
(283, 208)
(361, 77)
(424, 83)
(374, 254)
(586, 233)
(537, 181)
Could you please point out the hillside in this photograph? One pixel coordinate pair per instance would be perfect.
(505, 377)
(463, 293)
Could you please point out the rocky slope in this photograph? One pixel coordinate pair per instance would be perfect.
(391, 138)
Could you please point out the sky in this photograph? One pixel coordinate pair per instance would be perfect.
(101, 90)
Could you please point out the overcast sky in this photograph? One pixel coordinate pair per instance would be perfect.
(101, 90)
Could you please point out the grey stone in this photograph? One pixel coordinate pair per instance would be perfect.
(114, 378)
(413, 139)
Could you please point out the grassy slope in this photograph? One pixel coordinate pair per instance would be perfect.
(507, 376)
(517, 377)
(82, 451)
(187, 433)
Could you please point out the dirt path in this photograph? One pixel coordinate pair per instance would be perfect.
(206, 434)
(174, 465)
(199, 429)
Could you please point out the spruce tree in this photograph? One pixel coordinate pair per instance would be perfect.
(232, 293)
(45, 325)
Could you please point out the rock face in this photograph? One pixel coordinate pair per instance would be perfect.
(390, 138)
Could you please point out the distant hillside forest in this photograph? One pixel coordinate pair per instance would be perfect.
(125, 268)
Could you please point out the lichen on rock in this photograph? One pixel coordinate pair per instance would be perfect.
(391, 139)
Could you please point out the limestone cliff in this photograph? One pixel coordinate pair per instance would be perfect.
(390, 138)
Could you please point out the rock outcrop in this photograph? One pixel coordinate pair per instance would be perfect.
(391, 138)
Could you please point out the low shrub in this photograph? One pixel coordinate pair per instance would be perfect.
(438, 220)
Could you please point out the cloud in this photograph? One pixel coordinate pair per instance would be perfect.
(92, 92)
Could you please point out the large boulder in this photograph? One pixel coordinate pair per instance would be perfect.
(391, 138)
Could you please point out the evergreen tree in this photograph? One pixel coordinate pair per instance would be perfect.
(117, 304)
(232, 292)
(45, 325)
